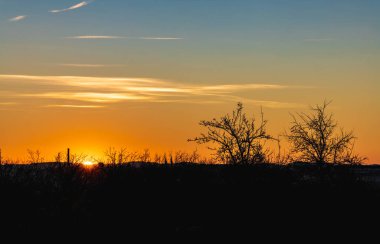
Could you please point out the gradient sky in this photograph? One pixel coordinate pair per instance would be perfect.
(142, 73)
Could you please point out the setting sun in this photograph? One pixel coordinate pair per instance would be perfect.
(88, 163)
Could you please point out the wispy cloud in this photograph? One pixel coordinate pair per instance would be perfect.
(7, 103)
(268, 103)
(124, 37)
(90, 65)
(95, 37)
(103, 91)
(72, 106)
(76, 6)
(242, 87)
(17, 18)
(94, 97)
(161, 38)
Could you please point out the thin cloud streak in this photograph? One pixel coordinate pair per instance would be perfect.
(76, 6)
(72, 106)
(161, 38)
(108, 90)
(124, 37)
(140, 84)
(242, 87)
(90, 65)
(95, 37)
(271, 104)
(88, 96)
(7, 103)
(17, 18)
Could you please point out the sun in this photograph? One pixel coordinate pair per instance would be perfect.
(88, 163)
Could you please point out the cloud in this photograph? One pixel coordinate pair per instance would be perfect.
(94, 37)
(242, 87)
(94, 97)
(268, 103)
(18, 18)
(123, 37)
(72, 106)
(76, 6)
(7, 103)
(90, 65)
(105, 91)
(161, 38)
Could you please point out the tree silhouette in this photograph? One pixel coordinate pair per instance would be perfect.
(117, 156)
(145, 156)
(112, 155)
(77, 158)
(238, 139)
(315, 138)
(58, 158)
(35, 156)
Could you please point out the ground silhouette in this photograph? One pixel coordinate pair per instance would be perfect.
(180, 198)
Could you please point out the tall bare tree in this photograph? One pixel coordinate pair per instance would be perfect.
(316, 137)
(236, 138)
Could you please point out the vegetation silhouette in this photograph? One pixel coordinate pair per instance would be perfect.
(238, 139)
(314, 138)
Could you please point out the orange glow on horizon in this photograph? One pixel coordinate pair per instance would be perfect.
(88, 164)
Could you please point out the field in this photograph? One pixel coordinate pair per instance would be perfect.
(181, 198)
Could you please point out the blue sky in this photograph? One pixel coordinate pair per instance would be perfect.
(198, 19)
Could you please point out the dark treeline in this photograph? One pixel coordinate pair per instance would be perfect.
(123, 199)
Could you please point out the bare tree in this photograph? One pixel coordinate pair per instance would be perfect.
(35, 156)
(237, 139)
(185, 157)
(145, 156)
(133, 156)
(58, 157)
(114, 156)
(122, 155)
(194, 157)
(111, 155)
(165, 159)
(316, 138)
(180, 157)
(77, 158)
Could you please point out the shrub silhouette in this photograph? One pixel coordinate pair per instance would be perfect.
(238, 139)
(315, 138)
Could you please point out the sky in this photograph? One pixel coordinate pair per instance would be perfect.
(142, 73)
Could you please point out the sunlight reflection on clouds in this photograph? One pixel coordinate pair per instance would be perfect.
(106, 90)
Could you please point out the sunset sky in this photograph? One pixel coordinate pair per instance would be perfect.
(142, 73)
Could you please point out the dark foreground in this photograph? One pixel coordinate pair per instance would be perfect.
(146, 198)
